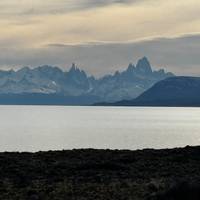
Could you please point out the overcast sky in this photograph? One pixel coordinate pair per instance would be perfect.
(101, 35)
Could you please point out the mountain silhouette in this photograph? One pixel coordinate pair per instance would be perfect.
(76, 84)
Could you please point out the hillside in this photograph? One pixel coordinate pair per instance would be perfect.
(173, 91)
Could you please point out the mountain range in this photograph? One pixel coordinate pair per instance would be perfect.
(55, 86)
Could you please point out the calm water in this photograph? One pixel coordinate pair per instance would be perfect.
(34, 128)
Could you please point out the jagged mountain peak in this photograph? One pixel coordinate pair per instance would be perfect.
(130, 68)
(75, 71)
(74, 68)
(144, 65)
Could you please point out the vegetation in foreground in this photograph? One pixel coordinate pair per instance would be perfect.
(101, 175)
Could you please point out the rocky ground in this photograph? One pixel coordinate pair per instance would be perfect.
(101, 175)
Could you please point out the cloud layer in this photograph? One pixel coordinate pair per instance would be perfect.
(33, 7)
(179, 55)
(100, 35)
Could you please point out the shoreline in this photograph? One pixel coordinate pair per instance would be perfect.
(103, 150)
(101, 174)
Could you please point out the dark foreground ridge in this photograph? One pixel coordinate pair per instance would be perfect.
(101, 175)
(174, 91)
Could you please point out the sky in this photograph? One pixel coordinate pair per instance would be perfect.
(101, 36)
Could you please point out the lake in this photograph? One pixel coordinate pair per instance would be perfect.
(34, 128)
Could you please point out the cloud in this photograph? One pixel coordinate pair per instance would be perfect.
(30, 7)
(127, 20)
(97, 3)
(179, 55)
(100, 35)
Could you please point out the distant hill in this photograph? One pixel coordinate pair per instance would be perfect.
(75, 87)
(173, 91)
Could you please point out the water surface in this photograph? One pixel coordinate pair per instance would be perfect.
(34, 128)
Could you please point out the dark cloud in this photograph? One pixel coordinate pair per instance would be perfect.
(29, 7)
(96, 3)
(72, 5)
(179, 55)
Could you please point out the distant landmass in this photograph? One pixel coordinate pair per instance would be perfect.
(47, 85)
(173, 91)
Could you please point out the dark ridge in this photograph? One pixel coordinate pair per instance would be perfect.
(174, 91)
